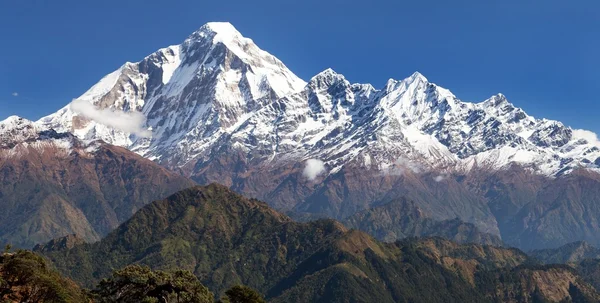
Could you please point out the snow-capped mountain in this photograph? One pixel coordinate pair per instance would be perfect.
(220, 109)
(53, 184)
(218, 88)
(192, 94)
(19, 136)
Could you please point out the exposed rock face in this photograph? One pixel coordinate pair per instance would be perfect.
(569, 253)
(222, 110)
(53, 184)
(539, 212)
(64, 243)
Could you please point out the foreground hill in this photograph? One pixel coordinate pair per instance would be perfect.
(226, 239)
(26, 277)
(53, 184)
(581, 256)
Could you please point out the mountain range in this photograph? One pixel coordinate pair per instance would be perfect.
(217, 108)
(54, 184)
(226, 239)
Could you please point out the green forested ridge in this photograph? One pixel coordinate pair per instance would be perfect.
(25, 277)
(225, 239)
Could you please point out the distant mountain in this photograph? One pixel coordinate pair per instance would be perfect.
(222, 110)
(402, 218)
(219, 90)
(570, 253)
(583, 257)
(589, 270)
(227, 239)
(54, 184)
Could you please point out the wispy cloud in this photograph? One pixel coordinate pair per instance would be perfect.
(401, 166)
(15, 94)
(439, 178)
(313, 169)
(587, 135)
(130, 122)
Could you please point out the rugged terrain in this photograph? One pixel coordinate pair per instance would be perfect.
(569, 253)
(220, 109)
(401, 218)
(53, 184)
(226, 239)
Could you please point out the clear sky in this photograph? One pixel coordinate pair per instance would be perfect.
(544, 55)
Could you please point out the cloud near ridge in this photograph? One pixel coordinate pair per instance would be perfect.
(402, 166)
(589, 136)
(130, 122)
(313, 169)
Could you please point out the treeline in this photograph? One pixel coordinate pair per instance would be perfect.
(26, 277)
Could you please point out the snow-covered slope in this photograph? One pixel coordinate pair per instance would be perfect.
(19, 137)
(219, 89)
(191, 94)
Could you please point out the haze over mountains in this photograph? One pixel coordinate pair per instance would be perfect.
(217, 108)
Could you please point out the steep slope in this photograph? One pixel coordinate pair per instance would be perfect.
(402, 218)
(570, 253)
(193, 95)
(222, 110)
(536, 212)
(53, 184)
(227, 239)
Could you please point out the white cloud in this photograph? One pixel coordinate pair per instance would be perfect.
(313, 169)
(15, 94)
(131, 122)
(439, 178)
(587, 135)
(393, 171)
(401, 166)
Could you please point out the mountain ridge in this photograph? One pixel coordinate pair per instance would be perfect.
(53, 184)
(225, 239)
(222, 110)
(490, 134)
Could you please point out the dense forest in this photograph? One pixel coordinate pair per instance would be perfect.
(224, 240)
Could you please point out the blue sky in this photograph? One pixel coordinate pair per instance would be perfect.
(543, 55)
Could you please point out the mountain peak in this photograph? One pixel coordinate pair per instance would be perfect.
(218, 32)
(328, 71)
(223, 30)
(16, 124)
(326, 77)
(327, 74)
(496, 100)
(13, 120)
(416, 76)
(221, 27)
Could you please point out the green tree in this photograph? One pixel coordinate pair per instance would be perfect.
(244, 294)
(25, 277)
(136, 283)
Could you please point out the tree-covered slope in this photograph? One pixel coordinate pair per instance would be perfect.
(227, 239)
